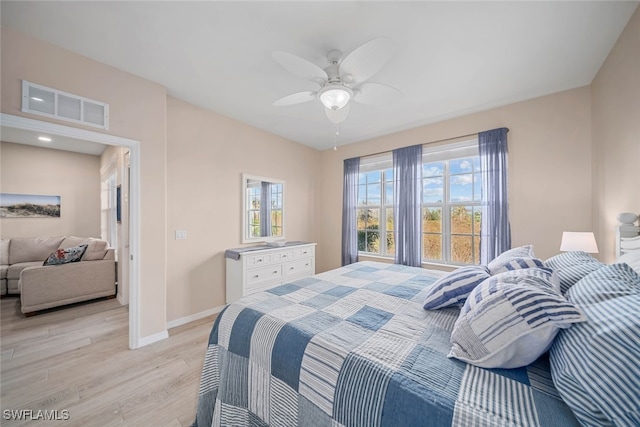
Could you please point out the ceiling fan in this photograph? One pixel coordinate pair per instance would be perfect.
(342, 80)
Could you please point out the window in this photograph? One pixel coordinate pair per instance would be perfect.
(375, 206)
(451, 197)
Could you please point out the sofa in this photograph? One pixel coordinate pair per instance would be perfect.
(53, 271)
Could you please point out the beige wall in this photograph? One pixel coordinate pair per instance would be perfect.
(206, 156)
(137, 111)
(26, 169)
(616, 136)
(549, 169)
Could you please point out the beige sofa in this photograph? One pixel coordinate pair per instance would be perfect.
(46, 286)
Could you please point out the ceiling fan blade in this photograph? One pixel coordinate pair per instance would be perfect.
(367, 60)
(376, 94)
(300, 66)
(295, 98)
(338, 116)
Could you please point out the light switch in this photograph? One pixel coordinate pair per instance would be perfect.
(181, 234)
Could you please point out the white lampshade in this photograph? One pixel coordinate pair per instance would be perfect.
(579, 241)
(334, 97)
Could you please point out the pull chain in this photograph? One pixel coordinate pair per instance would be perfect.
(335, 138)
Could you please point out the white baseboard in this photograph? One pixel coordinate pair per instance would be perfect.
(184, 320)
(153, 338)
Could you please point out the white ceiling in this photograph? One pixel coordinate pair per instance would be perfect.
(450, 58)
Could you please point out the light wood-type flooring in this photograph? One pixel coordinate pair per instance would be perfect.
(77, 359)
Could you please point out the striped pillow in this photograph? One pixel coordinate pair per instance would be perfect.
(509, 325)
(548, 278)
(454, 288)
(571, 267)
(514, 264)
(519, 252)
(596, 364)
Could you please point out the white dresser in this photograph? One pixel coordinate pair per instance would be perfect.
(262, 269)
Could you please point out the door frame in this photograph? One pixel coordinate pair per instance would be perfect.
(20, 122)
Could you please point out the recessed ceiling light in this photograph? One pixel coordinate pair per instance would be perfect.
(35, 98)
(44, 138)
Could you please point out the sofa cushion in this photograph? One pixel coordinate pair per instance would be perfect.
(4, 251)
(32, 248)
(14, 270)
(96, 248)
(65, 256)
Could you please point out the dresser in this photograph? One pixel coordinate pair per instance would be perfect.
(254, 270)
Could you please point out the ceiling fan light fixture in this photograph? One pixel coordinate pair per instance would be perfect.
(335, 97)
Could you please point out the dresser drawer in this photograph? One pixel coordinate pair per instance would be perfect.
(265, 274)
(305, 252)
(303, 267)
(260, 260)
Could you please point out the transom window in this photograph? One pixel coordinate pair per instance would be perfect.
(451, 198)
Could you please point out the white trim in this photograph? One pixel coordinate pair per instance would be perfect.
(188, 319)
(154, 338)
(134, 201)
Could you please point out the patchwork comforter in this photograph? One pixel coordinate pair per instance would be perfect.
(354, 347)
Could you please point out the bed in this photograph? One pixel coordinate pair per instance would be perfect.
(355, 346)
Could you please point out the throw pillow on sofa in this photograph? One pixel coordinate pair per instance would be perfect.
(65, 256)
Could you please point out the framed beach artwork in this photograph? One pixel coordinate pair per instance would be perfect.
(29, 206)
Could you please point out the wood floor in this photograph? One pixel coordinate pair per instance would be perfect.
(77, 360)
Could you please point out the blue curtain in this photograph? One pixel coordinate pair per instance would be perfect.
(407, 199)
(495, 230)
(349, 211)
(265, 209)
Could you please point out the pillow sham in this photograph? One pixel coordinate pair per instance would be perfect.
(509, 325)
(596, 365)
(514, 264)
(632, 259)
(454, 287)
(549, 279)
(519, 252)
(65, 256)
(571, 267)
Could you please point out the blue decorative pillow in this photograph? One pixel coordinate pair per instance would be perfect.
(454, 288)
(571, 267)
(596, 364)
(509, 325)
(514, 263)
(65, 256)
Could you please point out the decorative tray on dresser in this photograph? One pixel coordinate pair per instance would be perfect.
(258, 268)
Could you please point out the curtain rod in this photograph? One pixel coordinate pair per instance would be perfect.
(430, 142)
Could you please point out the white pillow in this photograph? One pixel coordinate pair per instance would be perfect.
(632, 259)
(509, 325)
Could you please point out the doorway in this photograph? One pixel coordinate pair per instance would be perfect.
(133, 146)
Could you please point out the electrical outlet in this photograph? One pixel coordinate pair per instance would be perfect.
(181, 234)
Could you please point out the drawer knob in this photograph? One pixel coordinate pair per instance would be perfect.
(275, 271)
(256, 276)
(291, 268)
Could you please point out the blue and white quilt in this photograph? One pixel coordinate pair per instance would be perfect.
(354, 347)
